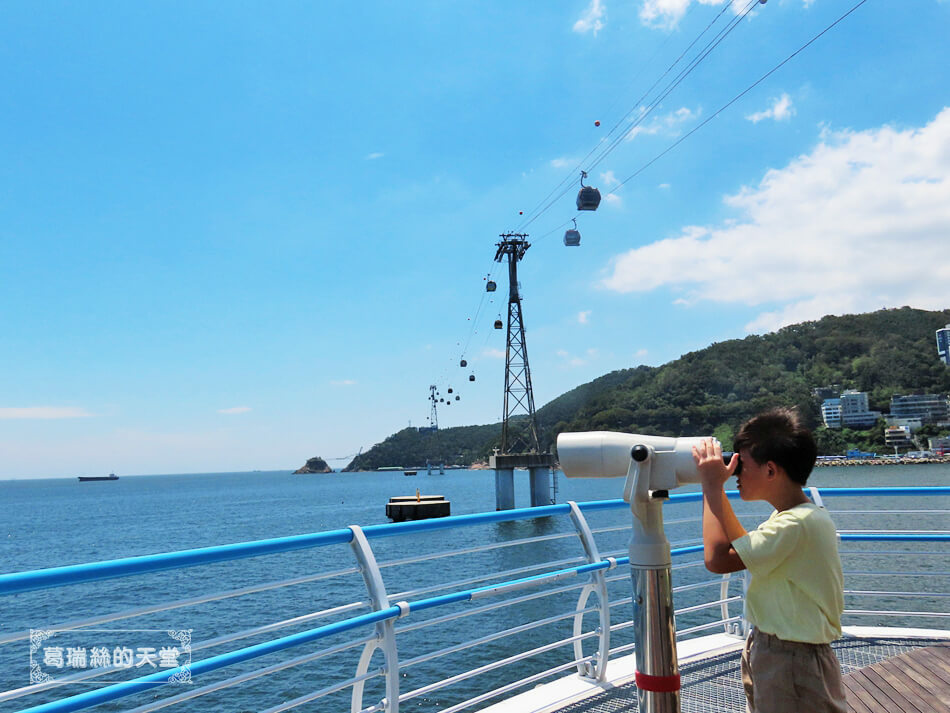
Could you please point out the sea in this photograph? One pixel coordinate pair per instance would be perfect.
(54, 522)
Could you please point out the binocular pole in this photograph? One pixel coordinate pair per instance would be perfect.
(657, 674)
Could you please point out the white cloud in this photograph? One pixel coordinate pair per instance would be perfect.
(343, 382)
(43, 412)
(234, 410)
(592, 20)
(375, 155)
(666, 14)
(664, 186)
(493, 353)
(668, 125)
(609, 179)
(640, 353)
(570, 360)
(561, 162)
(583, 317)
(613, 199)
(859, 223)
(780, 110)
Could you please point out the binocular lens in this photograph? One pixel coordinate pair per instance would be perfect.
(727, 456)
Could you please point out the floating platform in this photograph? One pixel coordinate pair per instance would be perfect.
(417, 507)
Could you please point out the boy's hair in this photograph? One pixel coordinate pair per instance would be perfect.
(778, 435)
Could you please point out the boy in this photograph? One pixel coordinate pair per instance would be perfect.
(795, 596)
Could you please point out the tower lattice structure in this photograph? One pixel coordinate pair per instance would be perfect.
(433, 413)
(519, 433)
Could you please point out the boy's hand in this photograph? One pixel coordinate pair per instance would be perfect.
(712, 470)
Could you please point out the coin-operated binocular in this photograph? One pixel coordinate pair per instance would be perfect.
(652, 466)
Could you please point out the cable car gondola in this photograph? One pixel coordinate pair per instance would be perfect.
(498, 324)
(572, 238)
(471, 377)
(588, 197)
(490, 286)
(463, 363)
(450, 389)
(457, 398)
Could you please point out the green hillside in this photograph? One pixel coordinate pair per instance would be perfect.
(713, 390)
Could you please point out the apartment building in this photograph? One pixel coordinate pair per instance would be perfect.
(943, 344)
(854, 410)
(929, 408)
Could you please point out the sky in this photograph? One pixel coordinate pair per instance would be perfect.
(234, 236)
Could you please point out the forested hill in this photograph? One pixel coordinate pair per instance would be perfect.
(713, 390)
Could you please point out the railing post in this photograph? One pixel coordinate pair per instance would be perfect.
(385, 630)
(730, 627)
(746, 626)
(597, 584)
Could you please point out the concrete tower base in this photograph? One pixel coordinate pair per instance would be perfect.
(539, 466)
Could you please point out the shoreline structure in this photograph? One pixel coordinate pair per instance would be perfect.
(901, 460)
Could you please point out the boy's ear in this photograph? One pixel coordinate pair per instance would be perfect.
(771, 469)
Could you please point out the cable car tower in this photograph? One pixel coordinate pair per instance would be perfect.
(520, 446)
(434, 414)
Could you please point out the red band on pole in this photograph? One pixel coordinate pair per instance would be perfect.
(658, 684)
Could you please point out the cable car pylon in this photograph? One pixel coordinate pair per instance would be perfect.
(520, 447)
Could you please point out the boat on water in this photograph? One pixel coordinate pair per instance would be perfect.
(85, 478)
(409, 472)
(535, 615)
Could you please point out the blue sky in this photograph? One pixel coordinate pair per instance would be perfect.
(237, 235)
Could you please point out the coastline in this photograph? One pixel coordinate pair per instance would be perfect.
(882, 461)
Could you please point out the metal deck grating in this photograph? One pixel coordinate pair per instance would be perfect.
(715, 684)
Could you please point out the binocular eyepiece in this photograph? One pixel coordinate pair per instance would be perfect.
(640, 453)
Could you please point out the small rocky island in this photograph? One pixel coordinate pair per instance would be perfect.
(315, 465)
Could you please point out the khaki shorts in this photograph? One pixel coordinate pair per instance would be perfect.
(790, 677)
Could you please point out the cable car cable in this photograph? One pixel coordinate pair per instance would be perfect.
(535, 213)
(736, 98)
(678, 79)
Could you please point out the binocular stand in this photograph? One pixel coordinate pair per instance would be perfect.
(657, 674)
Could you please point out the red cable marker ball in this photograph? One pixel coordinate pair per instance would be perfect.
(597, 123)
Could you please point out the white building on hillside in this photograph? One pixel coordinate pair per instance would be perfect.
(831, 413)
(943, 344)
(913, 424)
(929, 408)
(855, 412)
(898, 437)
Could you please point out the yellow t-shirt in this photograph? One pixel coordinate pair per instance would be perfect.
(796, 588)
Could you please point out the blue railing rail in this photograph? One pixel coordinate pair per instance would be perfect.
(96, 571)
(63, 576)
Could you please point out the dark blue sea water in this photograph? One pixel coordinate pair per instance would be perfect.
(45, 523)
